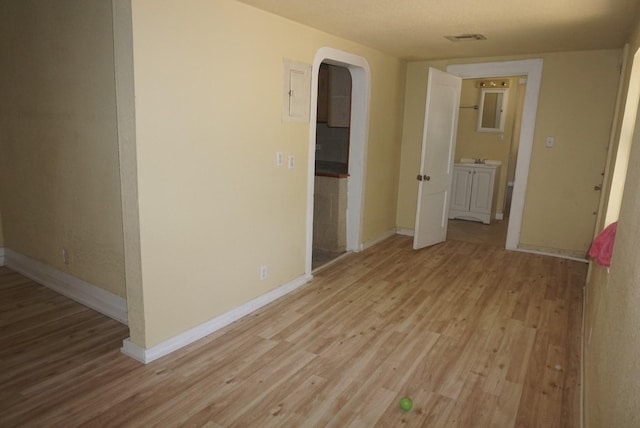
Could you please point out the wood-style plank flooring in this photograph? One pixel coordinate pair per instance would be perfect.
(475, 335)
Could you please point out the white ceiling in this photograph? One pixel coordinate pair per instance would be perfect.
(415, 29)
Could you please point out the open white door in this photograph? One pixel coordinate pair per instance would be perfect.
(436, 165)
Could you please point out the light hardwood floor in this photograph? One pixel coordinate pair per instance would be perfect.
(475, 335)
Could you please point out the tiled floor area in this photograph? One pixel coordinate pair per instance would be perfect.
(322, 257)
(479, 233)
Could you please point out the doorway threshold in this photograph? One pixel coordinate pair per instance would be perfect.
(326, 258)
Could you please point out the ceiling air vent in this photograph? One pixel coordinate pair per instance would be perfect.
(466, 37)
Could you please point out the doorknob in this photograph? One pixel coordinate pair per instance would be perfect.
(423, 177)
(419, 177)
(597, 187)
(427, 178)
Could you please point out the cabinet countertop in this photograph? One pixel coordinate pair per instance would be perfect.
(331, 169)
(475, 165)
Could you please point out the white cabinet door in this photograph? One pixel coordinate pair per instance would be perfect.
(482, 190)
(473, 192)
(461, 188)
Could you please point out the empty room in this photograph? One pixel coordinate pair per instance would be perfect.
(240, 213)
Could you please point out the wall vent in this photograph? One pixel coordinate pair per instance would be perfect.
(466, 37)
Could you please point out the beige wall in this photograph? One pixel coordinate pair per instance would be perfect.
(611, 363)
(486, 145)
(59, 155)
(213, 205)
(560, 198)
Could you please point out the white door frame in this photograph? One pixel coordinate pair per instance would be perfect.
(532, 68)
(358, 136)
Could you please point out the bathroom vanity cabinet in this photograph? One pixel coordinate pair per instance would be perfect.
(473, 192)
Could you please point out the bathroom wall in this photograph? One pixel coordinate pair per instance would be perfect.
(517, 126)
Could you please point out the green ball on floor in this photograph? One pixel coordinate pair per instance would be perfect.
(406, 404)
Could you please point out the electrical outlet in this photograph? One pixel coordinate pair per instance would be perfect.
(263, 273)
(291, 161)
(279, 159)
(550, 141)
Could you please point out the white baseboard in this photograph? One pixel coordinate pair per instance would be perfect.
(1, 256)
(378, 240)
(405, 232)
(499, 216)
(147, 355)
(74, 288)
(551, 253)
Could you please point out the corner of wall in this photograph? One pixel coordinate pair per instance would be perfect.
(125, 105)
(74, 288)
(147, 355)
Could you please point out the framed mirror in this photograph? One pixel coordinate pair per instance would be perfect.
(492, 110)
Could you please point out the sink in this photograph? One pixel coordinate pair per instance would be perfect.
(467, 160)
(473, 161)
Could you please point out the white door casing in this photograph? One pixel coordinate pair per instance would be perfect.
(436, 164)
(532, 68)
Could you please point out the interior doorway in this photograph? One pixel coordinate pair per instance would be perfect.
(532, 70)
(359, 71)
(485, 157)
(333, 121)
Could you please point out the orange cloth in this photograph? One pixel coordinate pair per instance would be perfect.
(602, 247)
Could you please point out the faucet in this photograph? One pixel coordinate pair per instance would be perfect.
(478, 160)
